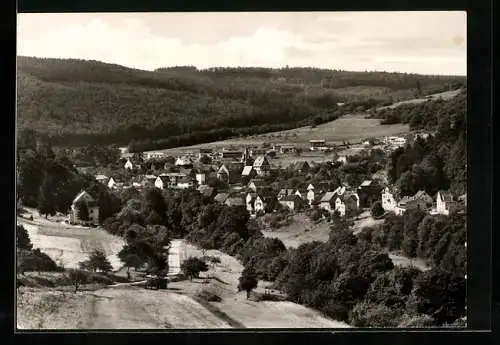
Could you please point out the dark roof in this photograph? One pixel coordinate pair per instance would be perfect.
(294, 198)
(446, 196)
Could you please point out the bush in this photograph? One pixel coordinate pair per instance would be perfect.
(373, 315)
(416, 321)
(193, 266)
(208, 296)
(336, 310)
(377, 210)
(35, 260)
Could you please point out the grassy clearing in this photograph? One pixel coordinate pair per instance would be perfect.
(443, 95)
(350, 128)
(301, 230)
(68, 245)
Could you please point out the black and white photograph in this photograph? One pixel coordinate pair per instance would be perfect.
(241, 170)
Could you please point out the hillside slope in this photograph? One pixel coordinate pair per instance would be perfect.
(94, 102)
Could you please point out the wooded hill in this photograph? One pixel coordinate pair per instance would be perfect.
(77, 102)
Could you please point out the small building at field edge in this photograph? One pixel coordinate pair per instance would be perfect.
(93, 210)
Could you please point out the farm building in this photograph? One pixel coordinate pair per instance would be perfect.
(421, 200)
(301, 167)
(315, 144)
(185, 183)
(84, 200)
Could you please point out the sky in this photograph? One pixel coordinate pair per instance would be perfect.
(411, 42)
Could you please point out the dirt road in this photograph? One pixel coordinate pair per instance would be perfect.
(124, 308)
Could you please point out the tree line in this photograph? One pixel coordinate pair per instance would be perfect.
(79, 102)
(344, 278)
(438, 162)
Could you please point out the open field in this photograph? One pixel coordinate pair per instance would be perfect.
(350, 128)
(125, 308)
(67, 245)
(301, 230)
(443, 95)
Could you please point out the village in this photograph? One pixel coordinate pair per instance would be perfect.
(240, 177)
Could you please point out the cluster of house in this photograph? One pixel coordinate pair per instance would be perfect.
(244, 171)
(444, 202)
(258, 197)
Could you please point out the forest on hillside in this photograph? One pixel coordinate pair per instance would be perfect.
(76, 102)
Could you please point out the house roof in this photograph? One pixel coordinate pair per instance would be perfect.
(259, 161)
(293, 198)
(366, 183)
(221, 197)
(247, 170)
(327, 197)
(421, 194)
(84, 196)
(258, 182)
(101, 177)
(164, 178)
(446, 196)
